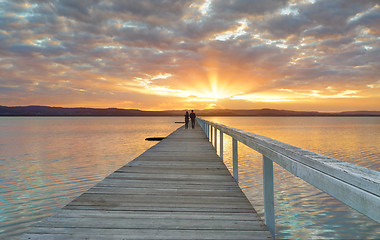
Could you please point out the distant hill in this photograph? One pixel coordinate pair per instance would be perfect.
(60, 111)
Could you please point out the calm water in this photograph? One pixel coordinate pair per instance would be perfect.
(46, 162)
(303, 211)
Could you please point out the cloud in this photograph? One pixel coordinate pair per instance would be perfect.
(337, 43)
(282, 26)
(110, 53)
(369, 19)
(235, 9)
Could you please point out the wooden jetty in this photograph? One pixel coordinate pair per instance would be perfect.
(177, 189)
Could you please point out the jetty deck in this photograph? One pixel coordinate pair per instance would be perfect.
(177, 189)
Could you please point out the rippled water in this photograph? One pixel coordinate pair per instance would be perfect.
(46, 162)
(303, 211)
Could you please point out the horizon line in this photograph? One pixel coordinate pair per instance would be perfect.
(189, 109)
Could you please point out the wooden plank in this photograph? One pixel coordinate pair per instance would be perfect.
(67, 213)
(173, 165)
(179, 176)
(177, 189)
(78, 233)
(164, 208)
(166, 170)
(166, 191)
(178, 182)
(169, 185)
(147, 223)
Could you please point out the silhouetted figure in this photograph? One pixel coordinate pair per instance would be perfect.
(192, 116)
(187, 117)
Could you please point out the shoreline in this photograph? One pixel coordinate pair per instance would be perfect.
(46, 111)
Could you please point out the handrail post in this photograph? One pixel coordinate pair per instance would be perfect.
(235, 164)
(269, 195)
(221, 144)
(215, 137)
(207, 127)
(211, 133)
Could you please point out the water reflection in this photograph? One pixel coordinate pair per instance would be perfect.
(46, 162)
(301, 209)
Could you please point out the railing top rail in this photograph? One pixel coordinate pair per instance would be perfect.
(357, 176)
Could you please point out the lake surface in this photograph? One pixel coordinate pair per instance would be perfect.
(303, 211)
(45, 162)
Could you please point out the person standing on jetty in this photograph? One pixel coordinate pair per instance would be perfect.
(192, 116)
(187, 116)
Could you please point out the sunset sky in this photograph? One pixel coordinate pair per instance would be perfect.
(159, 55)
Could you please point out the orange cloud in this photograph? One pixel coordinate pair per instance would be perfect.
(191, 54)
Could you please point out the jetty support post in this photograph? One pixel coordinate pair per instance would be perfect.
(221, 144)
(211, 135)
(235, 163)
(269, 195)
(215, 137)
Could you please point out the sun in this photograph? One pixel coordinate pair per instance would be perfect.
(212, 93)
(216, 89)
(218, 94)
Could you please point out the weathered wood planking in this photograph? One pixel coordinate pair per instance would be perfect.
(177, 189)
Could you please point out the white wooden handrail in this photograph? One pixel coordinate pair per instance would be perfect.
(356, 186)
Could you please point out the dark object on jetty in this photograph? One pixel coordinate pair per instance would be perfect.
(154, 138)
